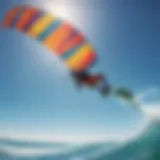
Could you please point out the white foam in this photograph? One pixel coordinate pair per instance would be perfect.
(30, 151)
(152, 111)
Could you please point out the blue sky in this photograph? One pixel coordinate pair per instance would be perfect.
(36, 92)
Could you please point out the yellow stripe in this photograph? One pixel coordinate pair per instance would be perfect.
(40, 25)
(78, 56)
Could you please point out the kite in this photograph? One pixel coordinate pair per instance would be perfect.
(66, 42)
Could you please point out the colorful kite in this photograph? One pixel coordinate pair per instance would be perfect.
(65, 41)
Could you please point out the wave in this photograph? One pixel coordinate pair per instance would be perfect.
(67, 152)
(145, 147)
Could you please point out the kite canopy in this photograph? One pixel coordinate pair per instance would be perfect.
(57, 35)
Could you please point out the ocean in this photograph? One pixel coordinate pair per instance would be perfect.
(146, 146)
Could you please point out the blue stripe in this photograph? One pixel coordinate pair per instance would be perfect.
(69, 53)
(17, 17)
(55, 24)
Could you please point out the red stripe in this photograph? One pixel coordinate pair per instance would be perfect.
(10, 16)
(88, 60)
(69, 44)
(28, 14)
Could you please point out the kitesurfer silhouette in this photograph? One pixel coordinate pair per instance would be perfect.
(92, 80)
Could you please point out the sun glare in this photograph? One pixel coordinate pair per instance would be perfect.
(58, 7)
(64, 9)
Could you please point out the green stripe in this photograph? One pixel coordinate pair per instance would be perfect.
(70, 53)
(53, 26)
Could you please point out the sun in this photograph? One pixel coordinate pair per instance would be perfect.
(67, 10)
(58, 7)
(61, 8)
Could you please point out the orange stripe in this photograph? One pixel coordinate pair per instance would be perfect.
(60, 35)
(10, 15)
(82, 64)
(88, 60)
(50, 40)
(70, 44)
(25, 17)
